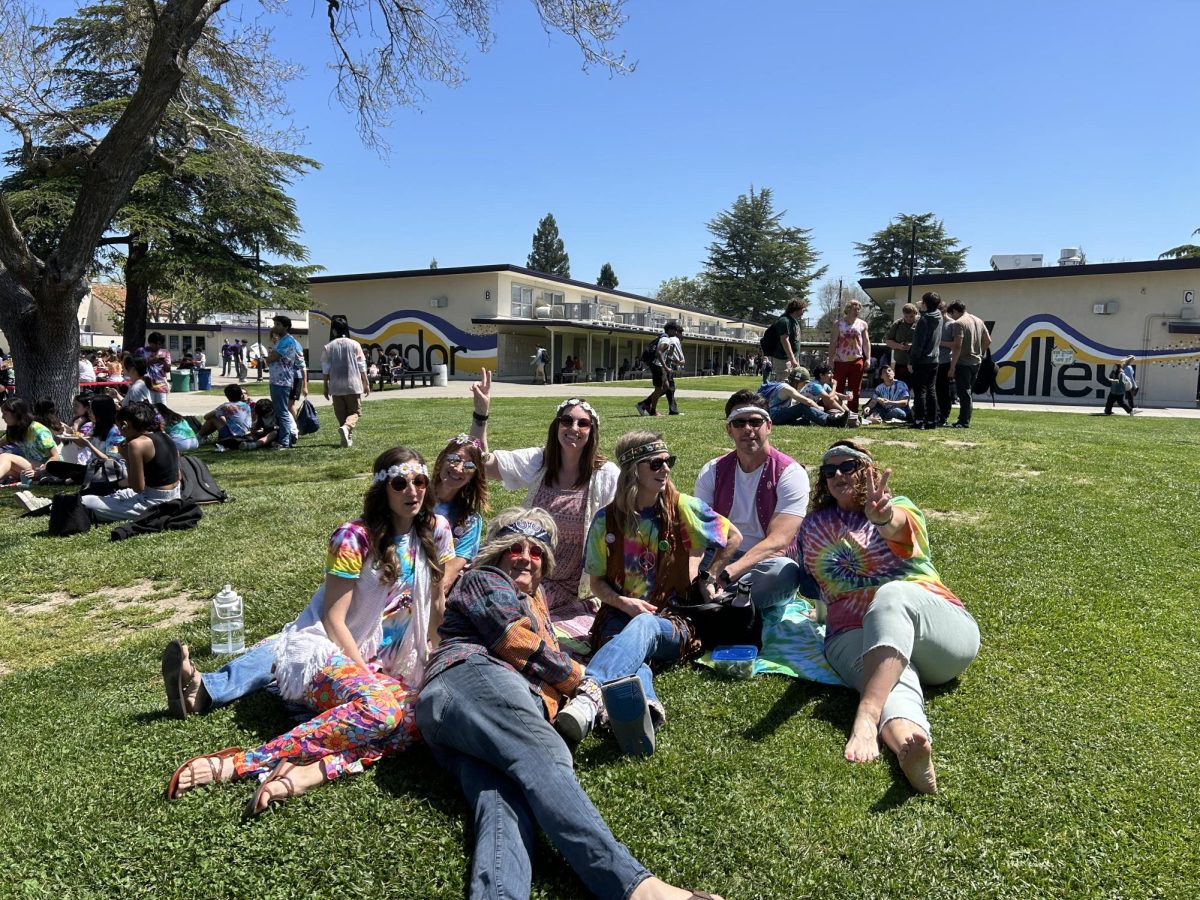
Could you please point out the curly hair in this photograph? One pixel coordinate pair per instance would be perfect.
(493, 547)
(381, 529)
(471, 498)
(591, 460)
(821, 497)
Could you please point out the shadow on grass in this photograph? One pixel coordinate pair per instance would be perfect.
(826, 703)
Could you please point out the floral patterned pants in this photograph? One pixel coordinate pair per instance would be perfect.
(362, 717)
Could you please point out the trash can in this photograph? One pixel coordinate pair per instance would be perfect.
(181, 380)
(440, 375)
(205, 376)
(601, 374)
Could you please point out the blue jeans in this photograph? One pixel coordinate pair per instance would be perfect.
(242, 675)
(799, 414)
(638, 641)
(280, 395)
(893, 413)
(486, 727)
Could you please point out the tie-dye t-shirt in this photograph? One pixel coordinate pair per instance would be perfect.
(898, 390)
(349, 549)
(850, 561)
(39, 443)
(467, 535)
(702, 527)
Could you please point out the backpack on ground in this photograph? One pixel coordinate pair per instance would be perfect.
(306, 419)
(650, 354)
(196, 482)
(68, 516)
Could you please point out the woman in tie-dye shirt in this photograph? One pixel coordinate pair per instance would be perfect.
(357, 654)
(892, 625)
(643, 548)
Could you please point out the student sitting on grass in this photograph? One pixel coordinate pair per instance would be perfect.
(96, 448)
(892, 626)
(263, 432)
(152, 468)
(27, 446)
(357, 654)
(642, 549)
(230, 420)
(891, 400)
(177, 428)
(823, 389)
(492, 687)
(789, 404)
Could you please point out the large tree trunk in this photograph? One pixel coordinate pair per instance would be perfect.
(137, 299)
(43, 334)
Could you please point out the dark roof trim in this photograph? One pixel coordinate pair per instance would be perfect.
(520, 270)
(1121, 268)
(204, 326)
(626, 330)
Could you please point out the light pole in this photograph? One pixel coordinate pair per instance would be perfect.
(912, 259)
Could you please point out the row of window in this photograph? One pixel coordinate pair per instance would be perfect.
(522, 306)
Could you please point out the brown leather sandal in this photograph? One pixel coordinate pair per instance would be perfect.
(185, 690)
(279, 775)
(214, 766)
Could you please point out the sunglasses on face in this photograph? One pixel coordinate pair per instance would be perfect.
(519, 549)
(846, 466)
(582, 424)
(657, 464)
(455, 460)
(400, 482)
(753, 422)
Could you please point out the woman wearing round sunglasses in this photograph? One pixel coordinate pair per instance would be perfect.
(569, 478)
(460, 492)
(892, 626)
(355, 656)
(492, 686)
(642, 549)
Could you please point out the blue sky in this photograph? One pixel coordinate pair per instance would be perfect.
(1027, 127)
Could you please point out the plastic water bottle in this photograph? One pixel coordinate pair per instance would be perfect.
(228, 627)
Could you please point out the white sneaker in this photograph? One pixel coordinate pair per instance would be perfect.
(344, 433)
(30, 502)
(575, 720)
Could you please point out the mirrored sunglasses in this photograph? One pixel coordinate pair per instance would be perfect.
(454, 459)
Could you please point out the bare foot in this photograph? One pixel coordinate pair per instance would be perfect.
(916, 759)
(287, 780)
(657, 889)
(201, 771)
(863, 745)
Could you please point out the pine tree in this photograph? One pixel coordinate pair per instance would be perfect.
(886, 254)
(608, 278)
(757, 264)
(548, 254)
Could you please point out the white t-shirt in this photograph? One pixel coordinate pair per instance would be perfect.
(87, 372)
(672, 350)
(791, 497)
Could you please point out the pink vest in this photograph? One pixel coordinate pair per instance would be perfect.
(765, 499)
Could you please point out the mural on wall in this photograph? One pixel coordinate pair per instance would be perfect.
(1045, 357)
(423, 339)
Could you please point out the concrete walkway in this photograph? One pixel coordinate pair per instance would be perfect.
(195, 404)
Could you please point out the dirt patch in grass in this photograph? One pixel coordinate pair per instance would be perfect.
(165, 604)
(962, 444)
(44, 604)
(954, 517)
(907, 445)
(1025, 472)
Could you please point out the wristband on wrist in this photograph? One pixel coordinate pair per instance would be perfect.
(478, 418)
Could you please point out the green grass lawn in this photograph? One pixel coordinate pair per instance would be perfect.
(728, 383)
(1067, 753)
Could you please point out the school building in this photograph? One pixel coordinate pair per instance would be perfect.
(1056, 329)
(472, 317)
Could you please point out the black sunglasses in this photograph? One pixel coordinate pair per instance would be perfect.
(846, 466)
(400, 482)
(753, 422)
(568, 421)
(656, 464)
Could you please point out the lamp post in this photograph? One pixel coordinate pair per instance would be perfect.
(912, 259)
(258, 293)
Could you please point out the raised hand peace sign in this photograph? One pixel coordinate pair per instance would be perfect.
(482, 392)
(879, 499)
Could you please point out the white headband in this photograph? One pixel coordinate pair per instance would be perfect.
(410, 467)
(582, 404)
(746, 411)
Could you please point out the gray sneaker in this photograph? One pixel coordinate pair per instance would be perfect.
(31, 502)
(575, 720)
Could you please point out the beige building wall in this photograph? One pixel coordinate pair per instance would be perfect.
(1055, 336)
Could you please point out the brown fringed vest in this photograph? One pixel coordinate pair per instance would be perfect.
(670, 576)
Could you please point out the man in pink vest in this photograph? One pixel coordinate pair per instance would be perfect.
(765, 494)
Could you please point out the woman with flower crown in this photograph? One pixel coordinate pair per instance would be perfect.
(571, 480)
(357, 654)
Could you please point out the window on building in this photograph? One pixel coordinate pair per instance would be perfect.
(173, 343)
(201, 345)
(522, 301)
(187, 343)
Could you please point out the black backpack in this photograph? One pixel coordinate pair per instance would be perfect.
(769, 343)
(196, 483)
(650, 354)
(68, 516)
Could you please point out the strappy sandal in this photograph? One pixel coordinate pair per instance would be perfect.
(185, 691)
(214, 767)
(279, 775)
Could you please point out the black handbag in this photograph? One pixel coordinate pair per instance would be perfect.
(729, 618)
(68, 516)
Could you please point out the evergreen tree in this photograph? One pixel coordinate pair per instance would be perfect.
(608, 278)
(757, 264)
(1183, 251)
(695, 293)
(548, 254)
(886, 254)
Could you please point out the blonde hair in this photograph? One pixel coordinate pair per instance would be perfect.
(625, 496)
(493, 547)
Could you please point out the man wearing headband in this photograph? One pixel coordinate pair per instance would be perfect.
(764, 493)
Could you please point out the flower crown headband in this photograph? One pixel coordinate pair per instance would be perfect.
(582, 404)
(464, 440)
(409, 468)
(633, 454)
